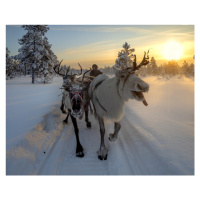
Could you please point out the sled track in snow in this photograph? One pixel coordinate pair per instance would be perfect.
(50, 150)
(142, 150)
(61, 159)
(54, 142)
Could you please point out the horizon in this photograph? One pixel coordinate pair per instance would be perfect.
(100, 44)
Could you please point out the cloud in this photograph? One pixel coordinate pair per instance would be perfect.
(100, 28)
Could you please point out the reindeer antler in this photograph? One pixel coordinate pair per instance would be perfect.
(67, 70)
(145, 61)
(84, 74)
(77, 74)
(81, 69)
(58, 69)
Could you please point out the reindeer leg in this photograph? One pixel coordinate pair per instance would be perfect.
(91, 109)
(79, 148)
(103, 152)
(88, 123)
(62, 107)
(113, 136)
(66, 119)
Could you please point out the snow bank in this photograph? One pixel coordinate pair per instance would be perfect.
(26, 104)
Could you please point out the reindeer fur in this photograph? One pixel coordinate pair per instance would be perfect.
(108, 96)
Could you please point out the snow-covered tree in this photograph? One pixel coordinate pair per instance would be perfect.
(161, 70)
(47, 62)
(191, 67)
(35, 52)
(124, 57)
(172, 68)
(107, 70)
(12, 66)
(187, 70)
(9, 65)
(154, 67)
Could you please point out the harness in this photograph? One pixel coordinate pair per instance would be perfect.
(76, 95)
(127, 77)
(96, 86)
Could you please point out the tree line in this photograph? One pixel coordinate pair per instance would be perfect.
(37, 59)
(171, 68)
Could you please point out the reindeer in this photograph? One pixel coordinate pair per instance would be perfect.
(109, 96)
(75, 98)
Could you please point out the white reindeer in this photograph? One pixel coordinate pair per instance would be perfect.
(109, 96)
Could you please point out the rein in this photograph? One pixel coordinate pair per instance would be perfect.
(96, 86)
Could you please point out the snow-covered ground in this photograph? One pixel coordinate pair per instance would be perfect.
(154, 140)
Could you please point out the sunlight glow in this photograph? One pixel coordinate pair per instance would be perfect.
(173, 50)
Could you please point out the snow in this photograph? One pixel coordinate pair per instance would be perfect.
(26, 104)
(154, 140)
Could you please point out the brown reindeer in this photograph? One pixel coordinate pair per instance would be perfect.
(76, 100)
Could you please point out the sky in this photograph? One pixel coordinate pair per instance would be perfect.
(100, 44)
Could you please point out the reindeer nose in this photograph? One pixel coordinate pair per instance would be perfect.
(139, 87)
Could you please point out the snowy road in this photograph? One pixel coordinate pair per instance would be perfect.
(50, 150)
(153, 140)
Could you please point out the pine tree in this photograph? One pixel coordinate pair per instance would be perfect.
(191, 67)
(12, 66)
(9, 65)
(161, 70)
(47, 62)
(154, 67)
(188, 70)
(32, 47)
(185, 68)
(124, 57)
(172, 68)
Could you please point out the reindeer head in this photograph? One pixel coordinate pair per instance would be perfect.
(76, 100)
(75, 86)
(130, 85)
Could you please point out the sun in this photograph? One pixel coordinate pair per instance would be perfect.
(173, 50)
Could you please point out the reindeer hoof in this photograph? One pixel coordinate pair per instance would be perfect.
(112, 138)
(88, 124)
(64, 112)
(65, 122)
(102, 154)
(103, 158)
(100, 158)
(80, 154)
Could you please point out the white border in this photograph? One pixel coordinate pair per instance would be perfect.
(99, 12)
